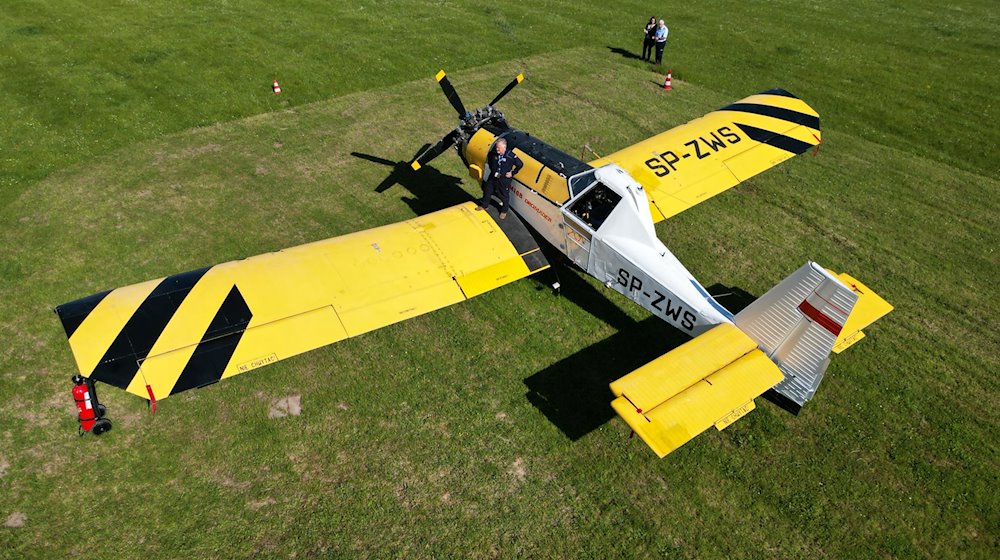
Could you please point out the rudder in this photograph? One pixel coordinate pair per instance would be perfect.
(797, 324)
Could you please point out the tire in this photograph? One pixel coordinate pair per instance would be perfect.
(102, 411)
(101, 426)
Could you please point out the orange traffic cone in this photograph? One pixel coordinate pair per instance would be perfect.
(666, 81)
(275, 87)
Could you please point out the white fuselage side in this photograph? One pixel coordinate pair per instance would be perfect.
(615, 242)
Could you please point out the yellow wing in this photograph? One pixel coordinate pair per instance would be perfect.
(698, 160)
(161, 337)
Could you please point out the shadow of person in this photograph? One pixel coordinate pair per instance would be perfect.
(625, 53)
(431, 189)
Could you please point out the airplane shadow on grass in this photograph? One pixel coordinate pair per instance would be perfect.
(431, 189)
(573, 393)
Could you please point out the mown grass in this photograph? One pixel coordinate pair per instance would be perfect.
(484, 430)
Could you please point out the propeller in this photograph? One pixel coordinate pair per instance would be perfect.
(436, 150)
(451, 94)
(468, 123)
(513, 84)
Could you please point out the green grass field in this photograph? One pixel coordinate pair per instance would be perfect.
(143, 140)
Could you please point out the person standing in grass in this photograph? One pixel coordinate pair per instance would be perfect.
(660, 37)
(503, 166)
(648, 39)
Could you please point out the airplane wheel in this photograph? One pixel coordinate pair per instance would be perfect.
(101, 426)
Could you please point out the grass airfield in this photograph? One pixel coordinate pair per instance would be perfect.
(146, 142)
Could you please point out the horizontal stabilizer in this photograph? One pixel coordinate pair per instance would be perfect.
(710, 380)
(869, 308)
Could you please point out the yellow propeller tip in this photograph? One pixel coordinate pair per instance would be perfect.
(415, 165)
(520, 78)
(439, 76)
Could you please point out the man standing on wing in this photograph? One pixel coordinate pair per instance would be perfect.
(503, 166)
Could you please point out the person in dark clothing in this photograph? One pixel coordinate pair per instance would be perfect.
(649, 39)
(503, 166)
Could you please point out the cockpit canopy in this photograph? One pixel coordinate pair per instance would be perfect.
(595, 205)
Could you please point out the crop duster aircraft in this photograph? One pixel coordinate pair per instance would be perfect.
(161, 337)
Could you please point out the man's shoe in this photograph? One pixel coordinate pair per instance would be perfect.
(503, 214)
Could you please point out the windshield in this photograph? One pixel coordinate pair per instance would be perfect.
(595, 205)
(579, 183)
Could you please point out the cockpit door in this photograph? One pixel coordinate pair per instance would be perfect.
(583, 216)
(578, 238)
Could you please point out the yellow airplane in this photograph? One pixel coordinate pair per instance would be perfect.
(161, 337)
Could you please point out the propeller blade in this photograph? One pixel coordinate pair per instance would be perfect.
(506, 90)
(450, 93)
(435, 150)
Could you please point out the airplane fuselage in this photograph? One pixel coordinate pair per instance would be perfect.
(600, 219)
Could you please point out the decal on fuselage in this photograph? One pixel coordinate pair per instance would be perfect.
(514, 187)
(528, 202)
(699, 148)
(653, 299)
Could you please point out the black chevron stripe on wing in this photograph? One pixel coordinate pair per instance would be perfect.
(789, 115)
(73, 314)
(216, 348)
(121, 361)
(771, 138)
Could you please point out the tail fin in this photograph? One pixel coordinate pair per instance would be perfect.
(798, 322)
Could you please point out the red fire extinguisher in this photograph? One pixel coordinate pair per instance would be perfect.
(91, 412)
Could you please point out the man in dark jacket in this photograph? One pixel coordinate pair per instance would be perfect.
(503, 166)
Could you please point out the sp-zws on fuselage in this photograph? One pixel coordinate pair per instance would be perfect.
(599, 218)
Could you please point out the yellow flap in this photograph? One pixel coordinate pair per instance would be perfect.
(696, 161)
(196, 328)
(710, 380)
(734, 415)
(671, 373)
(719, 399)
(869, 308)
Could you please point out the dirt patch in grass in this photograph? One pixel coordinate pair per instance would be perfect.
(518, 471)
(258, 504)
(199, 150)
(159, 157)
(52, 407)
(286, 406)
(16, 520)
